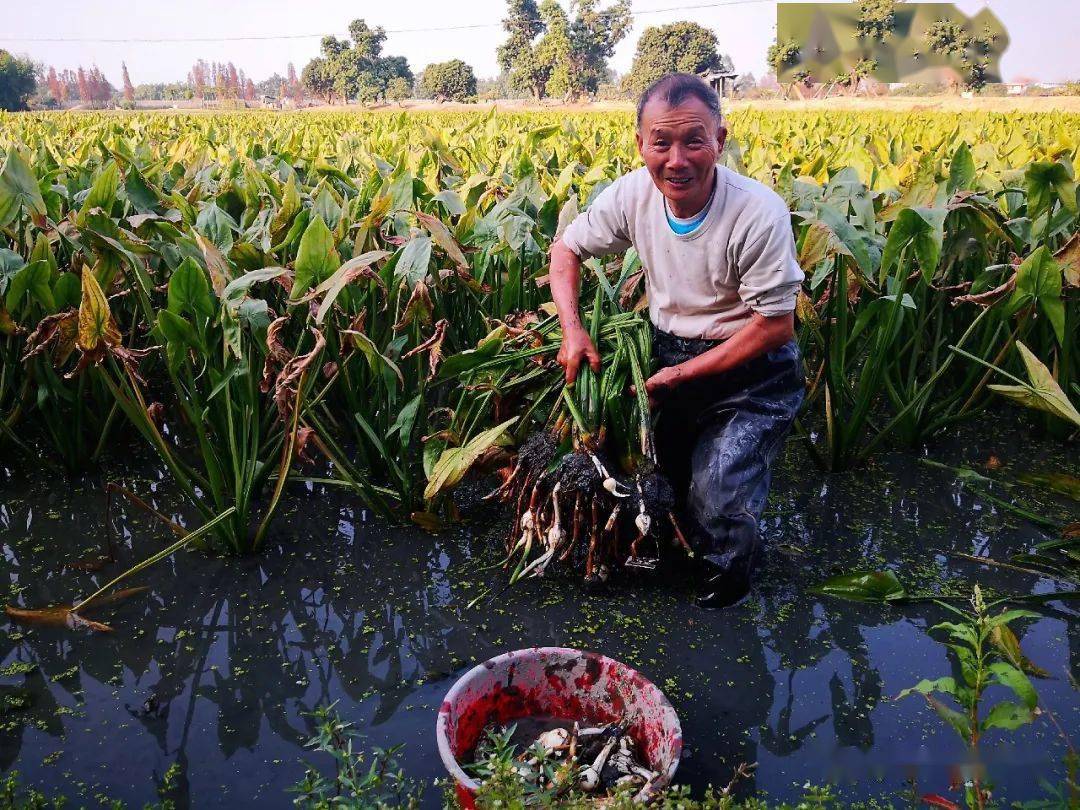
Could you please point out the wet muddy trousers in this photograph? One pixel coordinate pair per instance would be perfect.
(716, 441)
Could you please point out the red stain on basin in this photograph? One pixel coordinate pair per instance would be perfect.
(555, 682)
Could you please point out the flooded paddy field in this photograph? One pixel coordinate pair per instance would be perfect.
(214, 671)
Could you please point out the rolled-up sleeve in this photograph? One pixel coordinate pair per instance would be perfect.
(769, 273)
(602, 228)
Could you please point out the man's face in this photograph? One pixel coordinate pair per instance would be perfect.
(680, 146)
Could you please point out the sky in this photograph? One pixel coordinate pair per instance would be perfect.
(1045, 33)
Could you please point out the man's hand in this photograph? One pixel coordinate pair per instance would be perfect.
(577, 347)
(660, 384)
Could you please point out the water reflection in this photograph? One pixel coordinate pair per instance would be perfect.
(217, 667)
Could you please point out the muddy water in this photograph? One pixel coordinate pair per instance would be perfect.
(217, 666)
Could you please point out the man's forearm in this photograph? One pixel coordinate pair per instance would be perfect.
(759, 336)
(566, 285)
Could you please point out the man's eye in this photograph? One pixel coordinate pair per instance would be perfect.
(660, 144)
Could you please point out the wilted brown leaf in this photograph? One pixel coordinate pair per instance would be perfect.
(288, 380)
(216, 264)
(1069, 259)
(70, 616)
(277, 355)
(418, 308)
(443, 238)
(59, 329)
(433, 346)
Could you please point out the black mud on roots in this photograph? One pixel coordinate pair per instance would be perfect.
(581, 511)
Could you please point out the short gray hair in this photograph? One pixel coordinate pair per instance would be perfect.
(675, 88)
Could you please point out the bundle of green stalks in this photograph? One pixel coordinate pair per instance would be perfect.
(584, 485)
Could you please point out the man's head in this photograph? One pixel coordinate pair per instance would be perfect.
(680, 134)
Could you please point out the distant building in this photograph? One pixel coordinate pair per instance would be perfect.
(723, 82)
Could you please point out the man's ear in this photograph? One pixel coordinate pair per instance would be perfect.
(721, 138)
(637, 137)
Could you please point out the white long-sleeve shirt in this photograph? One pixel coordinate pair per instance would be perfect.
(703, 284)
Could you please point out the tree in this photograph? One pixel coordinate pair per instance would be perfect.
(355, 68)
(516, 57)
(594, 35)
(570, 58)
(876, 19)
(317, 78)
(782, 54)
(679, 47)
(129, 88)
(398, 89)
(197, 78)
(232, 81)
(17, 81)
(84, 87)
(953, 41)
(555, 52)
(99, 88)
(296, 87)
(269, 86)
(448, 81)
(54, 85)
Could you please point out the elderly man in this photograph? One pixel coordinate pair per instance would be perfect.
(722, 278)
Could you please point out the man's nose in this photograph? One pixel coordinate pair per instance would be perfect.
(677, 158)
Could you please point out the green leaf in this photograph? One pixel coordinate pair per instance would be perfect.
(401, 193)
(1007, 715)
(290, 206)
(179, 336)
(102, 194)
(871, 586)
(10, 264)
(850, 242)
(189, 291)
(413, 260)
(1009, 676)
(1044, 180)
(67, 290)
(377, 361)
(961, 170)
(406, 419)
(1038, 279)
(457, 364)
(1043, 393)
(961, 632)
(451, 201)
(924, 230)
(455, 462)
(316, 259)
(355, 268)
(237, 289)
(144, 199)
(945, 686)
(433, 450)
(1058, 482)
(33, 280)
(1006, 642)
(18, 189)
(959, 722)
(218, 226)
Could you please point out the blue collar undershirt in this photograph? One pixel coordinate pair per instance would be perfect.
(685, 226)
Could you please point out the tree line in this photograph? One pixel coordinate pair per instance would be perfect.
(546, 52)
(969, 51)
